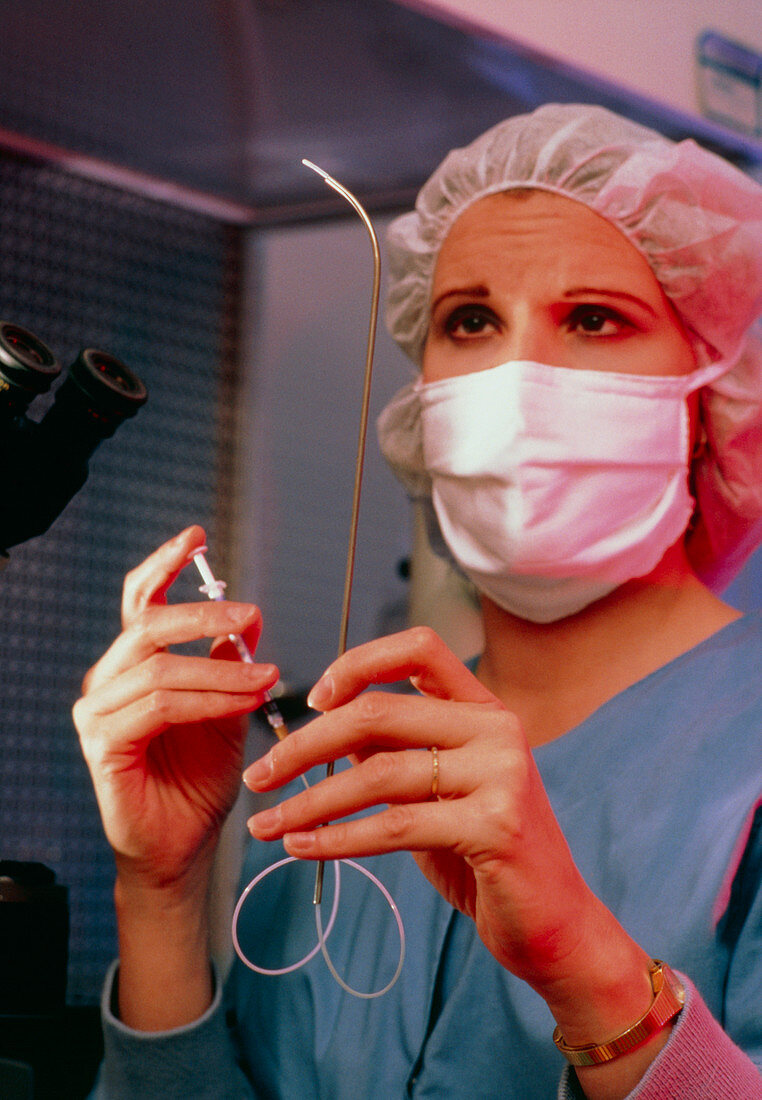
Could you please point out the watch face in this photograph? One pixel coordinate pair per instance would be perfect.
(673, 988)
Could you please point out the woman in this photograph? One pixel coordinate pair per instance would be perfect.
(578, 292)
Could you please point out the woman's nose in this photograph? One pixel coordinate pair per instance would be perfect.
(531, 337)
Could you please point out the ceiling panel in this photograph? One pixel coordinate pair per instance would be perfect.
(227, 96)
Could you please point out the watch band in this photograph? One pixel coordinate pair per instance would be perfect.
(669, 998)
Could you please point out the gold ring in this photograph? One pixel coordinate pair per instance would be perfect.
(434, 771)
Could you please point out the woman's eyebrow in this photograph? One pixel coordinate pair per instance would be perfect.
(602, 292)
(479, 291)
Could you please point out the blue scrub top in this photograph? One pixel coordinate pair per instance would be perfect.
(655, 793)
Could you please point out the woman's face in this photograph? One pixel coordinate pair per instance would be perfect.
(540, 277)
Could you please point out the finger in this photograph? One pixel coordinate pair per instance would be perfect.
(149, 582)
(424, 826)
(156, 628)
(418, 654)
(386, 777)
(225, 647)
(172, 672)
(381, 720)
(127, 732)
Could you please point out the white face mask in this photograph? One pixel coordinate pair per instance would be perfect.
(552, 486)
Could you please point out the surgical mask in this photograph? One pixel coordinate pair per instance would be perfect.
(551, 486)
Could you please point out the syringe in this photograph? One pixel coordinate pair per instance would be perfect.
(215, 590)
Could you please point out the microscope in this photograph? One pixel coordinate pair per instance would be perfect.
(45, 463)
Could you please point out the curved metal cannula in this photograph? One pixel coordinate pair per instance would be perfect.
(362, 433)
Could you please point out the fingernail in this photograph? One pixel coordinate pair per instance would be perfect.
(321, 695)
(259, 772)
(181, 537)
(265, 823)
(300, 843)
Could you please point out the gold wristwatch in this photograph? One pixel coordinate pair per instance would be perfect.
(669, 998)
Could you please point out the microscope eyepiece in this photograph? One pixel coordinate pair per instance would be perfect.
(46, 460)
(27, 367)
(101, 389)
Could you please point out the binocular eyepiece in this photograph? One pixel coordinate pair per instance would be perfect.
(46, 461)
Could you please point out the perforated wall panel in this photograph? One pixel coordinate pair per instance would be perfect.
(84, 264)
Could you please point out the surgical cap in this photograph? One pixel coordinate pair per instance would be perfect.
(695, 218)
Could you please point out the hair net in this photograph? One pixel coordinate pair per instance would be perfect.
(698, 222)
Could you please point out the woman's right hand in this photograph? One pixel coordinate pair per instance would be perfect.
(163, 733)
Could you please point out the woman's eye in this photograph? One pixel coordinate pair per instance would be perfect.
(597, 321)
(469, 321)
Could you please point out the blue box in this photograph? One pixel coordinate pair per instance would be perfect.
(729, 82)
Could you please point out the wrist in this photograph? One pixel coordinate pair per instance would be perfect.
(667, 999)
(597, 991)
(149, 915)
(146, 886)
(165, 978)
(138, 899)
(601, 984)
(604, 996)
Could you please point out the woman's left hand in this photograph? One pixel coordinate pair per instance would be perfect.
(488, 840)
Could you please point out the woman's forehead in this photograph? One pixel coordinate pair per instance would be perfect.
(541, 227)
